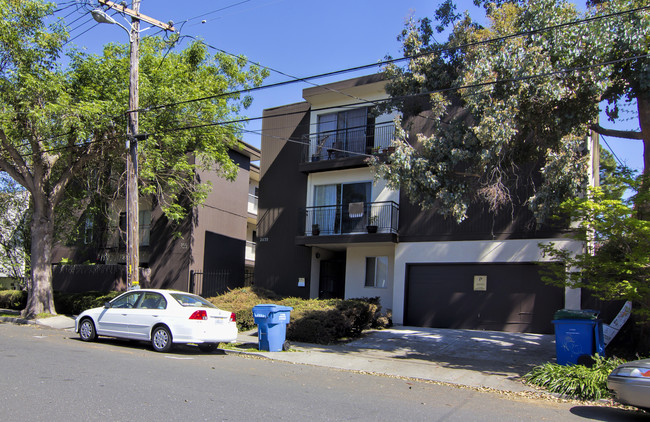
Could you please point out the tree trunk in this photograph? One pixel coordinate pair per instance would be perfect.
(40, 297)
(643, 206)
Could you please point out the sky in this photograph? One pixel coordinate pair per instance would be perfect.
(299, 38)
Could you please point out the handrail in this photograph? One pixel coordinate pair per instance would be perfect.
(337, 219)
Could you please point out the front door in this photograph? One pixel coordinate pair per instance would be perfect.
(149, 311)
(332, 279)
(113, 321)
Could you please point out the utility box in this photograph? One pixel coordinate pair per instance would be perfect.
(272, 323)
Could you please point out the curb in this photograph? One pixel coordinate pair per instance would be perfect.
(20, 321)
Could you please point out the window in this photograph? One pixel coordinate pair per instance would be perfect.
(344, 132)
(152, 300)
(88, 230)
(376, 271)
(332, 207)
(187, 299)
(127, 300)
(144, 226)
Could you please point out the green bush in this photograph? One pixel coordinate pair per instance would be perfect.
(76, 303)
(241, 302)
(312, 321)
(13, 299)
(578, 381)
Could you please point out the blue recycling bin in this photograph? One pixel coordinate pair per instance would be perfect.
(577, 337)
(271, 323)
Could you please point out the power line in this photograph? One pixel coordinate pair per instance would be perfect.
(442, 90)
(384, 62)
(611, 150)
(388, 61)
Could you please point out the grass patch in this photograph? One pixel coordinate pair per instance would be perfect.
(576, 381)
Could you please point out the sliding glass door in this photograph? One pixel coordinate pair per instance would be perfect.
(342, 208)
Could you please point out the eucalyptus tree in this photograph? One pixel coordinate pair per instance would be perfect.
(61, 122)
(520, 93)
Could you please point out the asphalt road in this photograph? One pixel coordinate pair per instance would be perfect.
(51, 375)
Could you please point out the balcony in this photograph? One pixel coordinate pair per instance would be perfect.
(350, 219)
(358, 141)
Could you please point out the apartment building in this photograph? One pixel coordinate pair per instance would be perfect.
(207, 253)
(327, 229)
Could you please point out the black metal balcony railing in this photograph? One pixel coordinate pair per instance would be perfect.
(350, 142)
(345, 219)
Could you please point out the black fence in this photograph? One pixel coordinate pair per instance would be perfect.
(344, 219)
(214, 283)
(350, 142)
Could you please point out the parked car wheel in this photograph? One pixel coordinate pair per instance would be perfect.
(208, 347)
(87, 330)
(161, 339)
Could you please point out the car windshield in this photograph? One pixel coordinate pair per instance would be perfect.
(187, 299)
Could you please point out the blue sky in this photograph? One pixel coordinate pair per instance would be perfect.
(297, 37)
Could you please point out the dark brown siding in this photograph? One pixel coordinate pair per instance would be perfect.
(169, 254)
(516, 300)
(279, 262)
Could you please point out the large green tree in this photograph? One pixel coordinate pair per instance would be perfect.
(64, 122)
(512, 102)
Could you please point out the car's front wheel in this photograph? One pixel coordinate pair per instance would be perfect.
(161, 339)
(87, 330)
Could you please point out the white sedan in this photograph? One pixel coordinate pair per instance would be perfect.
(162, 317)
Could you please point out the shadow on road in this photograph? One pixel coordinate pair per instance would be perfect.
(177, 349)
(609, 414)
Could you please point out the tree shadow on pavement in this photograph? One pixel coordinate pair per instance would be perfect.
(609, 414)
(491, 352)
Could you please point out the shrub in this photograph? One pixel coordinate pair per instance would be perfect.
(329, 321)
(312, 320)
(13, 299)
(76, 303)
(575, 380)
(241, 302)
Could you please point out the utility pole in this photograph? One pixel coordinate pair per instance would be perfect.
(132, 136)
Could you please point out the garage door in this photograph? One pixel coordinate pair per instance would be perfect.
(500, 297)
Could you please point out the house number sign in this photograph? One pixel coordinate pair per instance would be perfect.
(480, 283)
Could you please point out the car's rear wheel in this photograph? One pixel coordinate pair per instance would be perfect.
(208, 347)
(87, 330)
(161, 339)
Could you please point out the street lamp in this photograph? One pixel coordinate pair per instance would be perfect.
(102, 17)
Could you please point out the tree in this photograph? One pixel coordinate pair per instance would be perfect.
(60, 124)
(512, 103)
(615, 263)
(14, 217)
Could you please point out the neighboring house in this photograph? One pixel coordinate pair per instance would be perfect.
(13, 209)
(318, 197)
(208, 252)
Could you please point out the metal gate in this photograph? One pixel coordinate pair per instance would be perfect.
(214, 283)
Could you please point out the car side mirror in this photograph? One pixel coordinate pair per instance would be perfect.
(107, 305)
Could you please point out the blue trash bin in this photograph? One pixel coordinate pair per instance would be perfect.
(271, 323)
(577, 337)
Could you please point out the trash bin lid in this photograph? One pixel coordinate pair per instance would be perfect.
(576, 314)
(269, 307)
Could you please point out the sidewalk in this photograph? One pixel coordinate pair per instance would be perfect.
(490, 359)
